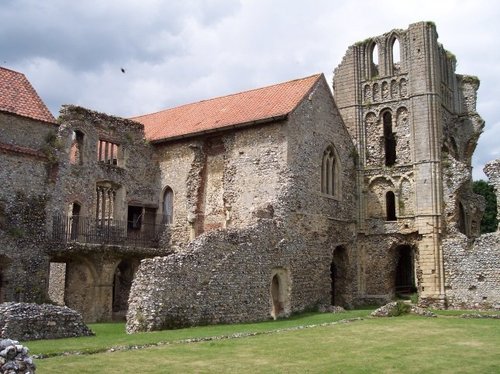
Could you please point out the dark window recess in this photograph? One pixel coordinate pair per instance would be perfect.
(389, 140)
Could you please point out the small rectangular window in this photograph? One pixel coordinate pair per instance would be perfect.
(108, 152)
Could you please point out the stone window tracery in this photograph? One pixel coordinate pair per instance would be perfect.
(330, 174)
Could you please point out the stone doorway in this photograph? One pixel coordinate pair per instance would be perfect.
(405, 270)
(338, 271)
(122, 282)
(280, 300)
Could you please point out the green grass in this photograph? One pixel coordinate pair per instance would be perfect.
(408, 344)
(110, 335)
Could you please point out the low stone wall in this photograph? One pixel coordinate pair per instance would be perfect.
(25, 321)
(228, 276)
(14, 358)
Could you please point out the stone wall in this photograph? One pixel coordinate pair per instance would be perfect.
(472, 276)
(27, 169)
(221, 180)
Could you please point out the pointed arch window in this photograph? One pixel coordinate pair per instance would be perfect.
(373, 63)
(168, 206)
(396, 53)
(330, 173)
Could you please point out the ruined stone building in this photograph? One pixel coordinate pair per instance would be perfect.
(253, 205)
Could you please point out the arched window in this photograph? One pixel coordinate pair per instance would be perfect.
(374, 60)
(396, 53)
(389, 140)
(390, 206)
(330, 175)
(168, 206)
(76, 151)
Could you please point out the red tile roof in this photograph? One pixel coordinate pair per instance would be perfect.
(19, 97)
(245, 108)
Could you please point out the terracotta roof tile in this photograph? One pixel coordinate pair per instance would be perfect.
(19, 97)
(247, 107)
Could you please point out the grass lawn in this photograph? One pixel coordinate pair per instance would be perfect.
(408, 344)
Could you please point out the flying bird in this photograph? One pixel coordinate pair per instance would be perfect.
(123, 70)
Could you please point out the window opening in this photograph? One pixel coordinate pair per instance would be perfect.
(329, 172)
(134, 218)
(107, 152)
(390, 203)
(168, 206)
(389, 140)
(396, 53)
(76, 151)
(374, 61)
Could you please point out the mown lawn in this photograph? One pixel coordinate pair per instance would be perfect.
(408, 344)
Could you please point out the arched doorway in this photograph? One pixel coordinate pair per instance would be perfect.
(405, 270)
(122, 282)
(275, 294)
(280, 299)
(338, 276)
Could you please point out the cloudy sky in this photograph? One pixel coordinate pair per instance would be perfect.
(180, 51)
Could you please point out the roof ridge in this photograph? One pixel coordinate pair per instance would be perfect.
(229, 95)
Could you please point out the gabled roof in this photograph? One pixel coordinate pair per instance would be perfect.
(244, 108)
(17, 96)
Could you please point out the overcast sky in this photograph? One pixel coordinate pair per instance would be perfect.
(180, 51)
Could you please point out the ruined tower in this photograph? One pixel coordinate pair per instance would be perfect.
(412, 119)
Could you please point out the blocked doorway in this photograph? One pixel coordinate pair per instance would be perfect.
(338, 276)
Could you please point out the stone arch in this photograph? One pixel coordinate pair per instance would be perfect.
(122, 282)
(338, 275)
(385, 90)
(394, 89)
(80, 286)
(280, 289)
(367, 92)
(376, 202)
